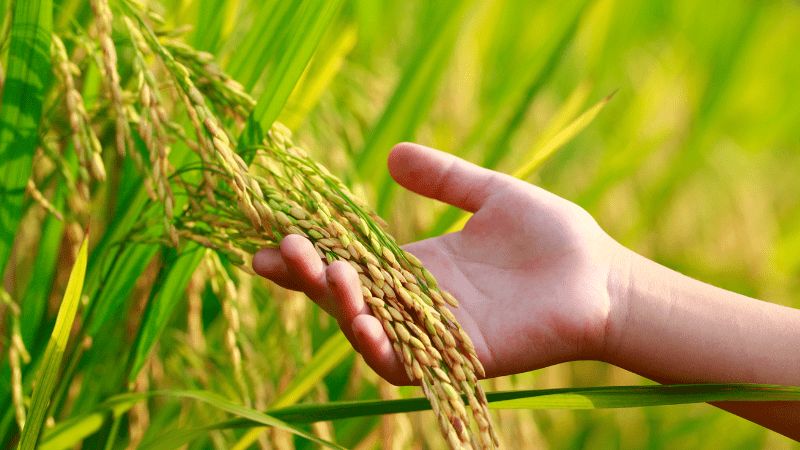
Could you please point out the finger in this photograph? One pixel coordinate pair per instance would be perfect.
(345, 287)
(303, 262)
(442, 176)
(377, 350)
(269, 263)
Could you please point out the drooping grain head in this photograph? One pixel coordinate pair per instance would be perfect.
(285, 192)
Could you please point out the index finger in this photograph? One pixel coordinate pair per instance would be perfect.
(442, 176)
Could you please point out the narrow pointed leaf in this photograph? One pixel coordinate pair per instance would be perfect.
(86, 424)
(329, 355)
(28, 71)
(159, 310)
(309, 25)
(410, 102)
(538, 156)
(258, 49)
(569, 398)
(247, 413)
(54, 354)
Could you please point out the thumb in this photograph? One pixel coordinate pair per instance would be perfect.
(442, 176)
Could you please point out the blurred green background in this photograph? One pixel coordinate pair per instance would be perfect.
(693, 162)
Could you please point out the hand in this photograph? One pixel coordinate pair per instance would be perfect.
(532, 271)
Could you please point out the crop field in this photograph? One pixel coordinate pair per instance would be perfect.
(139, 145)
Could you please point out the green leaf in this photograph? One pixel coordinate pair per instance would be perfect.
(539, 155)
(28, 71)
(54, 354)
(511, 103)
(71, 433)
(569, 398)
(44, 268)
(525, 86)
(308, 25)
(245, 413)
(209, 27)
(126, 267)
(64, 436)
(258, 49)
(411, 101)
(326, 358)
(179, 270)
(639, 396)
(68, 433)
(322, 68)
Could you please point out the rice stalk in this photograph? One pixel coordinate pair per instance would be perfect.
(284, 192)
(291, 194)
(103, 18)
(222, 285)
(194, 313)
(39, 198)
(84, 140)
(17, 354)
(237, 208)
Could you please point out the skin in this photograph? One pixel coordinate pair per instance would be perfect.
(540, 283)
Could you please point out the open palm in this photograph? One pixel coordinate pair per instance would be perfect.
(530, 270)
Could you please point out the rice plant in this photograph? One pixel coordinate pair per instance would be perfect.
(165, 146)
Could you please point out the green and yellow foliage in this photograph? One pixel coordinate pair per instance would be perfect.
(151, 126)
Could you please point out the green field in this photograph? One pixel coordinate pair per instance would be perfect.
(692, 162)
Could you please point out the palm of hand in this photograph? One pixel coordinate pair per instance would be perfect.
(530, 271)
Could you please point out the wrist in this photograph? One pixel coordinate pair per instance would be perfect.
(619, 286)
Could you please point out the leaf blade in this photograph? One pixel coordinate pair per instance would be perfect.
(159, 310)
(295, 55)
(28, 70)
(54, 354)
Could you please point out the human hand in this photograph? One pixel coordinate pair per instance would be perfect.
(532, 271)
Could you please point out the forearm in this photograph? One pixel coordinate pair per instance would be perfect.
(673, 329)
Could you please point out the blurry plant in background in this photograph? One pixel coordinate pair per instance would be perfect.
(693, 163)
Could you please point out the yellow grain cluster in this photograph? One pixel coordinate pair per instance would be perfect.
(285, 192)
(237, 208)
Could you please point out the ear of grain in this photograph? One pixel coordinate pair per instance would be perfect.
(284, 192)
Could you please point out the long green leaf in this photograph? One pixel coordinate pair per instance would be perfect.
(249, 414)
(159, 310)
(411, 101)
(539, 155)
(258, 49)
(322, 68)
(63, 435)
(326, 358)
(329, 355)
(210, 26)
(523, 90)
(308, 26)
(28, 71)
(44, 268)
(54, 354)
(567, 398)
(639, 396)
(513, 101)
